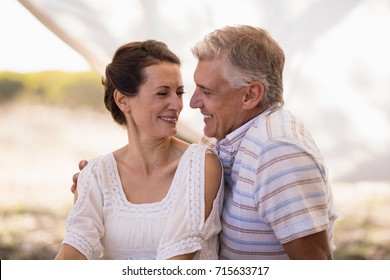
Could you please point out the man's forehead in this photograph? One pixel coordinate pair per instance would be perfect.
(204, 68)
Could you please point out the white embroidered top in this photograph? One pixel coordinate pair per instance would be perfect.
(104, 224)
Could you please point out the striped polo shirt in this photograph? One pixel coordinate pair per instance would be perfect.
(277, 187)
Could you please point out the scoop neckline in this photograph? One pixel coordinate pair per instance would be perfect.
(149, 204)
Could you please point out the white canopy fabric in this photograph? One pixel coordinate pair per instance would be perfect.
(337, 69)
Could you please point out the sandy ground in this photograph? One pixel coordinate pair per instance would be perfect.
(40, 149)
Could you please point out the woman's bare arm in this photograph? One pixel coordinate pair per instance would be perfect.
(68, 252)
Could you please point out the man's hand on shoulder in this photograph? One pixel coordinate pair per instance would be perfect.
(73, 188)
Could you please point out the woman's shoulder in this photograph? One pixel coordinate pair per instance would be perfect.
(100, 159)
(200, 148)
(98, 170)
(210, 154)
(98, 165)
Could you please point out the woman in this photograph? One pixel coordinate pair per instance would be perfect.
(157, 197)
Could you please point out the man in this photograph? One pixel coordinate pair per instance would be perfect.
(278, 202)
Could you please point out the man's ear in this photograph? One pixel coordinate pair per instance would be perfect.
(121, 101)
(253, 95)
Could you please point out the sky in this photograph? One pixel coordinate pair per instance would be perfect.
(28, 46)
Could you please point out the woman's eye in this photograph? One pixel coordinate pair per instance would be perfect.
(180, 93)
(162, 93)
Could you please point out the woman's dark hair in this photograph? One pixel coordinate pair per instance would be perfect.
(126, 71)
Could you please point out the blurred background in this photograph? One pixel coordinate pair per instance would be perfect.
(52, 56)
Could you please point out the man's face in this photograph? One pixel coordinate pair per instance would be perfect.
(219, 103)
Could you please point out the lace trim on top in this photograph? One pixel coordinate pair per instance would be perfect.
(181, 247)
(114, 196)
(190, 171)
(196, 190)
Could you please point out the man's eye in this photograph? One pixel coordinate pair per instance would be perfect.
(162, 93)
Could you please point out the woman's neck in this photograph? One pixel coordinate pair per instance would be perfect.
(148, 155)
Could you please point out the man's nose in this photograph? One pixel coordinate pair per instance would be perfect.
(195, 101)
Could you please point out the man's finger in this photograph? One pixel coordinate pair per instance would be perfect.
(75, 196)
(74, 185)
(73, 188)
(82, 164)
(75, 176)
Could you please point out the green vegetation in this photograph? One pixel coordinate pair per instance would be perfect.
(53, 88)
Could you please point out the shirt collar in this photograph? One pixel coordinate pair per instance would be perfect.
(233, 140)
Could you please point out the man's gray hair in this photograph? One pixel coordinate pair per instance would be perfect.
(249, 54)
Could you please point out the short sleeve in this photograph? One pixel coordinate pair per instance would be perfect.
(186, 231)
(84, 224)
(291, 192)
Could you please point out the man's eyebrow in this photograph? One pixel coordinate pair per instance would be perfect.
(203, 87)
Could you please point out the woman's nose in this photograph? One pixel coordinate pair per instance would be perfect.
(176, 103)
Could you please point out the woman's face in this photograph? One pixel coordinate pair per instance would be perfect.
(156, 109)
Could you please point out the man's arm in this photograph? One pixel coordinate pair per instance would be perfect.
(310, 247)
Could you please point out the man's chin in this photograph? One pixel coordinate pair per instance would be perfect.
(207, 133)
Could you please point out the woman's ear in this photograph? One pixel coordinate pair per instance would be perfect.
(253, 95)
(122, 101)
